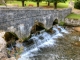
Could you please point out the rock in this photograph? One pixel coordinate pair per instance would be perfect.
(41, 37)
(10, 38)
(51, 31)
(77, 29)
(71, 22)
(28, 42)
(59, 29)
(3, 53)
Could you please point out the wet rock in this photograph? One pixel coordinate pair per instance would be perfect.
(51, 31)
(10, 38)
(40, 37)
(28, 42)
(3, 53)
(59, 29)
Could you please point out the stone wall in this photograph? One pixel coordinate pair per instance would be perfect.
(22, 20)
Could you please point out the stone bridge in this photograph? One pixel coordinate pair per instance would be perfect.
(21, 20)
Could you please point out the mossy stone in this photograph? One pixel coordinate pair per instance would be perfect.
(10, 38)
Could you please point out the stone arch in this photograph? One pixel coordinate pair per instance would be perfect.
(55, 22)
(38, 26)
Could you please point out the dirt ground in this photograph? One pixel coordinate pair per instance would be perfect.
(77, 11)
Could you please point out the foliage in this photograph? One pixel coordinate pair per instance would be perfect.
(10, 38)
(26, 38)
(38, 1)
(77, 4)
(10, 35)
(49, 1)
(22, 2)
(61, 23)
(42, 4)
(57, 1)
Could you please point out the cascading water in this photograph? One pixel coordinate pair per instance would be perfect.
(42, 40)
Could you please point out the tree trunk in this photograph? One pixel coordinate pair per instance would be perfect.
(22, 3)
(3, 2)
(37, 3)
(55, 5)
(48, 3)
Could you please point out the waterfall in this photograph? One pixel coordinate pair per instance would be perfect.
(42, 40)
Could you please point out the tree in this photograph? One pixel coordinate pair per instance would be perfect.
(49, 1)
(57, 1)
(77, 4)
(3, 2)
(37, 1)
(22, 2)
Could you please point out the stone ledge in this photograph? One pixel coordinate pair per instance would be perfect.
(72, 22)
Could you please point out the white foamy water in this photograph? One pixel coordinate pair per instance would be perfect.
(47, 41)
(63, 30)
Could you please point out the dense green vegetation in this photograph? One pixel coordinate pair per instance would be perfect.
(77, 4)
(62, 23)
(74, 16)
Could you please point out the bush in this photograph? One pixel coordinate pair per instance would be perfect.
(77, 4)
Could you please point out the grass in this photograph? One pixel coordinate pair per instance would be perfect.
(74, 16)
(61, 23)
(42, 4)
(62, 5)
(14, 3)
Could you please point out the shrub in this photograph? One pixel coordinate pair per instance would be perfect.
(77, 4)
